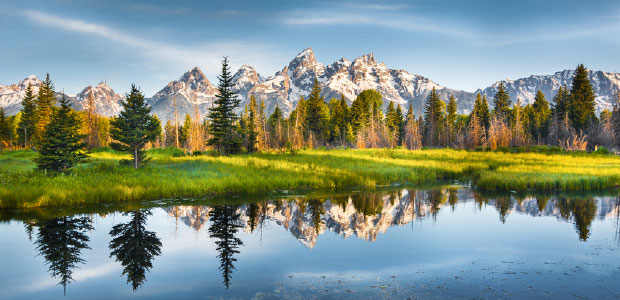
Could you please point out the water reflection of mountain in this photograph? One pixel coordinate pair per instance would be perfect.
(368, 214)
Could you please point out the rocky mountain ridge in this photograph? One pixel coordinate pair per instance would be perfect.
(343, 77)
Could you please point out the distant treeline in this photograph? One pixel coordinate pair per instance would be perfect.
(569, 122)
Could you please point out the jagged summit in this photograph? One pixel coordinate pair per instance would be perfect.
(106, 101)
(342, 77)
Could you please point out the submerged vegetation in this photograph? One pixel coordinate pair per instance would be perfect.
(172, 174)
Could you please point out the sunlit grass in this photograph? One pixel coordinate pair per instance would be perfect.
(174, 175)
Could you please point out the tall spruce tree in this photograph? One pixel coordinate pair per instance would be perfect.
(27, 121)
(542, 117)
(4, 129)
(317, 114)
(45, 107)
(502, 102)
(134, 128)
(582, 107)
(224, 137)
(561, 103)
(62, 145)
(451, 119)
(275, 127)
(432, 118)
(252, 124)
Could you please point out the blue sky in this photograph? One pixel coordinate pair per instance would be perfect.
(458, 44)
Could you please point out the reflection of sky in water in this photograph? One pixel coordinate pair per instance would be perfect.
(465, 251)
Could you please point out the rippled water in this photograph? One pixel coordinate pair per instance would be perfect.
(393, 244)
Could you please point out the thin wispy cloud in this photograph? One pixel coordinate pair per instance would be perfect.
(375, 6)
(207, 55)
(401, 22)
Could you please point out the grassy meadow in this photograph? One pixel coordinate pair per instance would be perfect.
(174, 175)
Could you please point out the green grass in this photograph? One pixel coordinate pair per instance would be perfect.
(173, 175)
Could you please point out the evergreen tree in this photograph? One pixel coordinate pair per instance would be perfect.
(317, 117)
(185, 131)
(134, 247)
(541, 117)
(4, 129)
(60, 241)
(297, 121)
(582, 106)
(134, 127)
(561, 103)
(502, 102)
(223, 134)
(27, 121)
(433, 118)
(451, 119)
(252, 130)
(224, 226)
(400, 124)
(361, 108)
(413, 140)
(275, 125)
(169, 135)
(45, 107)
(338, 119)
(61, 144)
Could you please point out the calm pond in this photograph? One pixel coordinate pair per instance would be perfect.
(385, 244)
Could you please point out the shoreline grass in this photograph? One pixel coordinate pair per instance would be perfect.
(173, 175)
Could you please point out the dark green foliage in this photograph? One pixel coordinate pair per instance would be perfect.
(481, 107)
(62, 145)
(4, 128)
(361, 108)
(251, 126)
(317, 114)
(394, 121)
(45, 107)
(338, 111)
(581, 110)
(540, 118)
(581, 211)
(60, 241)
(224, 136)
(27, 121)
(451, 119)
(501, 101)
(185, 130)
(275, 126)
(433, 118)
(561, 103)
(224, 225)
(134, 247)
(134, 127)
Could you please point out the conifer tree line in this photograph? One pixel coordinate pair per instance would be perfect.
(568, 121)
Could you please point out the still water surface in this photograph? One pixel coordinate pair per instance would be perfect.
(389, 244)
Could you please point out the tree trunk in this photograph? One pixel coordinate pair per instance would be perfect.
(135, 158)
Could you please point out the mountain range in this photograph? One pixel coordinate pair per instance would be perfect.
(343, 77)
(346, 220)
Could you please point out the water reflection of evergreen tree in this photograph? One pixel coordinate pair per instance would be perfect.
(316, 211)
(503, 206)
(583, 212)
(370, 204)
(135, 247)
(453, 197)
(541, 202)
(60, 241)
(436, 199)
(224, 226)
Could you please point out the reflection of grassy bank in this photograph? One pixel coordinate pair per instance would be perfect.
(172, 175)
